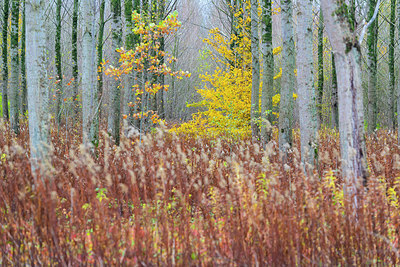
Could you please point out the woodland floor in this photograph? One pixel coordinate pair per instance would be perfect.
(181, 201)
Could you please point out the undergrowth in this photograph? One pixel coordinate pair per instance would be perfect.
(168, 200)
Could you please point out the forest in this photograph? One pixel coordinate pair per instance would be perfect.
(200, 133)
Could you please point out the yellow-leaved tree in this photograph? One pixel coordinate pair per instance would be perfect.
(224, 110)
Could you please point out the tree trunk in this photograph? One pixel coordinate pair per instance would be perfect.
(255, 89)
(268, 72)
(340, 29)
(100, 43)
(4, 93)
(398, 77)
(37, 82)
(334, 100)
(286, 109)
(114, 114)
(320, 67)
(24, 100)
(307, 101)
(14, 81)
(58, 59)
(161, 78)
(372, 70)
(75, 73)
(89, 95)
(392, 78)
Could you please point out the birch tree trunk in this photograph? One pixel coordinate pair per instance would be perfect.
(75, 74)
(286, 108)
(307, 101)
(14, 81)
(268, 72)
(100, 43)
(24, 100)
(320, 66)
(398, 77)
(255, 52)
(4, 92)
(335, 104)
(372, 70)
(58, 60)
(89, 96)
(340, 28)
(37, 82)
(114, 114)
(392, 78)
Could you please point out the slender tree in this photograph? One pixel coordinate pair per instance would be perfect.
(89, 99)
(288, 78)
(161, 78)
(255, 52)
(320, 66)
(37, 82)
(340, 26)
(398, 77)
(24, 100)
(100, 43)
(4, 94)
(14, 79)
(334, 100)
(58, 60)
(307, 101)
(75, 74)
(268, 71)
(114, 114)
(392, 78)
(372, 68)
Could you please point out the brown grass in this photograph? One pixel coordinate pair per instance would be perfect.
(177, 201)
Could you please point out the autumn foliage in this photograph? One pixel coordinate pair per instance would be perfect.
(175, 201)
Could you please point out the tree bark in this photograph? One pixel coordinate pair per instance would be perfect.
(24, 100)
(37, 82)
(340, 29)
(255, 88)
(75, 74)
(305, 81)
(334, 100)
(100, 43)
(320, 66)
(392, 78)
(286, 108)
(89, 94)
(372, 71)
(268, 72)
(14, 79)
(114, 114)
(58, 61)
(4, 93)
(398, 77)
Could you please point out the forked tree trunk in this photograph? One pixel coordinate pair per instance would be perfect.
(305, 81)
(37, 81)
(350, 91)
